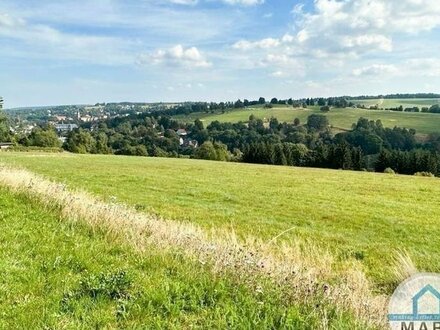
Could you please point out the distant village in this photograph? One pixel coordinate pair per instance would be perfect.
(67, 118)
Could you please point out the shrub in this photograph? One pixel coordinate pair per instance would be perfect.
(318, 122)
(34, 149)
(426, 174)
(389, 170)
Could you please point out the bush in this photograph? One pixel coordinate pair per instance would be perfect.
(426, 174)
(318, 122)
(212, 151)
(34, 149)
(389, 170)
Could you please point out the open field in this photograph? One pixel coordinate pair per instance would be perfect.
(394, 103)
(67, 270)
(72, 261)
(424, 123)
(361, 216)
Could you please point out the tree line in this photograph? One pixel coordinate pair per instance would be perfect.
(368, 145)
(309, 144)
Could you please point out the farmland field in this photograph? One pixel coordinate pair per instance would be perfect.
(364, 216)
(394, 103)
(424, 123)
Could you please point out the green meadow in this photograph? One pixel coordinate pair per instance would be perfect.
(58, 274)
(423, 123)
(362, 216)
(394, 103)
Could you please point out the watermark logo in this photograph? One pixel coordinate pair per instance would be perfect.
(415, 305)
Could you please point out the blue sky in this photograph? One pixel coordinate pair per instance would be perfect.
(78, 51)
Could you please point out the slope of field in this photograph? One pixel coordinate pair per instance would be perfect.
(394, 103)
(58, 274)
(424, 123)
(363, 216)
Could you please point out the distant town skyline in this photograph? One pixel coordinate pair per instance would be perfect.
(82, 52)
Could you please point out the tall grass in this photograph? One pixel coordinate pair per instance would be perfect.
(306, 274)
(56, 274)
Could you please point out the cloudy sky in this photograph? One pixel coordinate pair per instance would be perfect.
(88, 51)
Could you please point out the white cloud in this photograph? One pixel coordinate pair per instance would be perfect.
(422, 67)
(415, 67)
(339, 34)
(176, 56)
(244, 2)
(263, 43)
(375, 70)
(268, 15)
(6, 21)
(45, 41)
(184, 2)
(367, 41)
(229, 2)
(278, 74)
(363, 25)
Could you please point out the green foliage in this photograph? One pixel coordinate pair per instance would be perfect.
(435, 108)
(80, 141)
(409, 162)
(42, 137)
(102, 144)
(198, 124)
(425, 174)
(318, 122)
(22, 148)
(212, 151)
(389, 170)
(5, 134)
(139, 150)
(372, 137)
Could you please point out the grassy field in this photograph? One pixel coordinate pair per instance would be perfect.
(58, 274)
(362, 216)
(394, 103)
(424, 123)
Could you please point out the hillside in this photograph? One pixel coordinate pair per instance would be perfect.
(394, 103)
(60, 274)
(72, 261)
(358, 216)
(423, 123)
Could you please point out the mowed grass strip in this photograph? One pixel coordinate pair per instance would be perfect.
(423, 123)
(62, 275)
(361, 216)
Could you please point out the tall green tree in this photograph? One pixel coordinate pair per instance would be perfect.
(43, 137)
(80, 141)
(206, 151)
(5, 133)
(318, 122)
